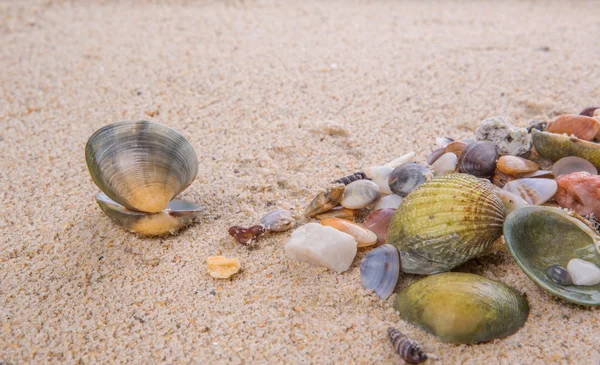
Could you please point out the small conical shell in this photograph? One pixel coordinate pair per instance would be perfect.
(178, 214)
(141, 165)
(446, 222)
(379, 270)
(567, 165)
(360, 194)
(363, 236)
(533, 191)
(462, 308)
(514, 165)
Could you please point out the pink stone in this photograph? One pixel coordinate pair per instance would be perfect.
(580, 192)
(378, 222)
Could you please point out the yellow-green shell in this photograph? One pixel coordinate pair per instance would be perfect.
(554, 146)
(462, 308)
(446, 222)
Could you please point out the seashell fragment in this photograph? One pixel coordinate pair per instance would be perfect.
(553, 147)
(445, 165)
(442, 142)
(579, 192)
(278, 220)
(388, 201)
(567, 165)
(541, 236)
(380, 176)
(408, 349)
(359, 175)
(435, 154)
(407, 157)
(178, 214)
(508, 139)
(462, 308)
(437, 226)
(589, 111)
(379, 270)
(379, 222)
(559, 275)
(513, 165)
(533, 191)
(220, 267)
(325, 201)
(141, 165)
(580, 126)
(246, 236)
(539, 173)
(500, 178)
(510, 200)
(360, 194)
(321, 246)
(456, 147)
(584, 272)
(339, 212)
(478, 159)
(405, 178)
(363, 236)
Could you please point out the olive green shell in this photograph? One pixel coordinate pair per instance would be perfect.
(554, 146)
(445, 222)
(462, 308)
(539, 237)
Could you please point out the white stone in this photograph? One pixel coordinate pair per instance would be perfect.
(584, 272)
(445, 165)
(380, 176)
(322, 246)
(401, 160)
(390, 201)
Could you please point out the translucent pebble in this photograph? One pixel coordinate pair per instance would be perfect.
(584, 272)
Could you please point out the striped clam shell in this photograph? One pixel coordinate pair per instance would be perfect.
(446, 222)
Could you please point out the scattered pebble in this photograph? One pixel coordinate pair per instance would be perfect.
(579, 192)
(220, 267)
(278, 220)
(246, 236)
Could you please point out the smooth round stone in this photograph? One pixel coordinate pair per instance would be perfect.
(559, 275)
(584, 272)
(389, 201)
(514, 165)
(445, 165)
(570, 164)
(360, 194)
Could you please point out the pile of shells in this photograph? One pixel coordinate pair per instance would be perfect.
(427, 218)
(140, 167)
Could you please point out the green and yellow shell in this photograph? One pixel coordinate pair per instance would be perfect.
(462, 308)
(554, 146)
(539, 237)
(446, 222)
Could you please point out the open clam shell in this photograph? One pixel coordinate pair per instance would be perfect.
(556, 146)
(178, 214)
(379, 270)
(539, 237)
(141, 165)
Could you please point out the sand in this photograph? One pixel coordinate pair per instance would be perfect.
(277, 99)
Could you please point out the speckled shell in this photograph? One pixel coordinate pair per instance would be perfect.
(141, 165)
(462, 308)
(178, 214)
(553, 147)
(446, 222)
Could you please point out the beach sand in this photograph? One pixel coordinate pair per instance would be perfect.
(278, 99)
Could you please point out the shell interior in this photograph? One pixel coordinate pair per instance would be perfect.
(539, 237)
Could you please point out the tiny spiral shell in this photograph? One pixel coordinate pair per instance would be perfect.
(408, 349)
(359, 175)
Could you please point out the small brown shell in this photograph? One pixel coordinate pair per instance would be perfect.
(514, 165)
(456, 147)
(589, 112)
(478, 159)
(325, 201)
(500, 178)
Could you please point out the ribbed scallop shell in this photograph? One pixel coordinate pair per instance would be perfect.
(446, 222)
(462, 308)
(141, 165)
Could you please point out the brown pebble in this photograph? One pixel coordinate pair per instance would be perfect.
(580, 126)
(246, 235)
